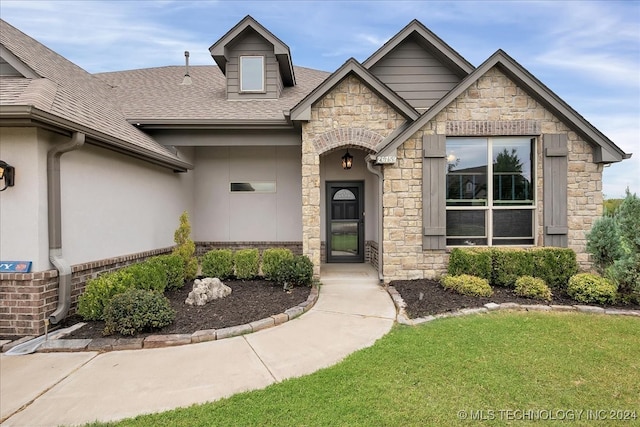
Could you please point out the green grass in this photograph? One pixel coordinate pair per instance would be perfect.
(425, 375)
(344, 242)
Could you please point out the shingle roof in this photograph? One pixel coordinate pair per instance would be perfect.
(67, 91)
(157, 94)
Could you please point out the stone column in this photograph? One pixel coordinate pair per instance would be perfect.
(311, 203)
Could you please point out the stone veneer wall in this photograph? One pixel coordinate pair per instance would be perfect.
(492, 106)
(350, 115)
(27, 299)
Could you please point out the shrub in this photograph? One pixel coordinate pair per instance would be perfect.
(603, 243)
(137, 310)
(474, 262)
(554, 265)
(625, 273)
(628, 217)
(302, 271)
(247, 263)
(100, 291)
(509, 264)
(185, 248)
(626, 269)
(590, 288)
(295, 271)
(148, 275)
(218, 263)
(174, 269)
(467, 285)
(532, 287)
(271, 260)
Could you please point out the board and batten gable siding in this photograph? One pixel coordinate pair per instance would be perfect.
(253, 45)
(415, 74)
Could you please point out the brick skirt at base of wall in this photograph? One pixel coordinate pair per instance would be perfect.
(204, 247)
(370, 252)
(27, 299)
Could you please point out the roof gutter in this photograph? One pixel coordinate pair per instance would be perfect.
(370, 161)
(190, 124)
(55, 225)
(25, 115)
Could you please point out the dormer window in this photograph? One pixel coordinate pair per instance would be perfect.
(252, 74)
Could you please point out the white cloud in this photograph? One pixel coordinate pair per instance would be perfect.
(596, 40)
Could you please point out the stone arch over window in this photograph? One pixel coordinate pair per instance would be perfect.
(347, 137)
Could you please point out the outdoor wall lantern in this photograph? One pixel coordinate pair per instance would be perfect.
(347, 161)
(7, 174)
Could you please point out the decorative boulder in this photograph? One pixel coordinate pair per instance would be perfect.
(205, 290)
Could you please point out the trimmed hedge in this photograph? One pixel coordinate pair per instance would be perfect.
(150, 276)
(554, 265)
(247, 262)
(509, 264)
(502, 266)
(467, 285)
(100, 291)
(591, 288)
(174, 269)
(272, 258)
(295, 271)
(147, 275)
(218, 263)
(532, 287)
(474, 262)
(137, 310)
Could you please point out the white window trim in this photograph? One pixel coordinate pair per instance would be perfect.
(489, 208)
(264, 77)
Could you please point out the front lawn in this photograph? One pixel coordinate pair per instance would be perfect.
(500, 367)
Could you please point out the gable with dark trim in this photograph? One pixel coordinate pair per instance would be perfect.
(302, 111)
(605, 151)
(220, 53)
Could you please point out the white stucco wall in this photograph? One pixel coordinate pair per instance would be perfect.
(23, 207)
(223, 216)
(115, 205)
(331, 170)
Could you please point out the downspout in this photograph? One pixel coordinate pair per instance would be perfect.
(370, 160)
(55, 225)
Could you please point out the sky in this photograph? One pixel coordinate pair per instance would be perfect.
(587, 52)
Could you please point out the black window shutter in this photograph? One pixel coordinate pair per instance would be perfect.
(434, 227)
(555, 190)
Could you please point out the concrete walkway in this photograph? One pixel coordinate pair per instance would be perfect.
(50, 389)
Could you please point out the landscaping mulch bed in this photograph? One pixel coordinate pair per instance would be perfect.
(250, 300)
(427, 297)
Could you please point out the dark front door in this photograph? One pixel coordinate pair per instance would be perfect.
(345, 221)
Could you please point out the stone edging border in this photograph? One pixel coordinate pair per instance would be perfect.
(403, 318)
(103, 345)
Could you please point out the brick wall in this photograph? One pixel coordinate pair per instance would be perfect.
(26, 300)
(204, 247)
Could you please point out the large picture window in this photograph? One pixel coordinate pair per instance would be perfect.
(252, 73)
(490, 191)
